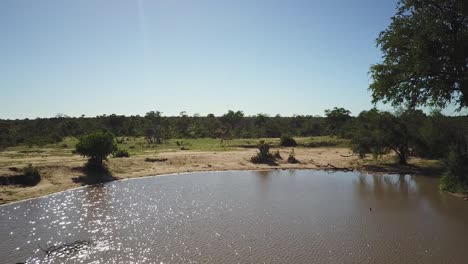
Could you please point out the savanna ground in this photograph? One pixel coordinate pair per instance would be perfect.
(61, 169)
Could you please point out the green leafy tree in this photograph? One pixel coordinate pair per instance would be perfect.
(425, 55)
(378, 133)
(336, 120)
(154, 130)
(425, 63)
(231, 120)
(96, 146)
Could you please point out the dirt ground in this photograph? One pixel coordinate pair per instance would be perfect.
(60, 173)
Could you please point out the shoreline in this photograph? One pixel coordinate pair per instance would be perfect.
(159, 175)
(65, 173)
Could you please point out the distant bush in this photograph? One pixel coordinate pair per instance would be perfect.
(328, 143)
(277, 155)
(121, 153)
(287, 141)
(263, 155)
(292, 157)
(31, 175)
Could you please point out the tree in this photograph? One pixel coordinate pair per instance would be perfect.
(425, 55)
(153, 132)
(183, 125)
(231, 120)
(96, 146)
(425, 62)
(336, 120)
(378, 133)
(116, 123)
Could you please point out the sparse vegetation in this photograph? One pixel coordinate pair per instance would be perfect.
(292, 157)
(31, 175)
(263, 155)
(120, 153)
(277, 155)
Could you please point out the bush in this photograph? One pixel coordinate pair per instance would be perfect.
(292, 157)
(287, 141)
(455, 179)
(263, 154)
(31, 175)
(450, 184)
(277, 155)
(96, 146)
(121, 153)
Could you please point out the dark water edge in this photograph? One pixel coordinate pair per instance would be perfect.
(304, 216)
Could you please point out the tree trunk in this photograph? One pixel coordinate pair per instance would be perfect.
(402, 155)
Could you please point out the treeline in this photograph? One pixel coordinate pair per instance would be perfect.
(372, 131)
(407, 133)
(155, 127)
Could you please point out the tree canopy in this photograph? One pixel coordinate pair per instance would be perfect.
(425, 55)
(336, 120)
(377, 133)
(96, 146)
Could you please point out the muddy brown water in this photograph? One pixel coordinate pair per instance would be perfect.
(242, 217)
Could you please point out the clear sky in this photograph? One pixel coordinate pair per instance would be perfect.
(128, 57)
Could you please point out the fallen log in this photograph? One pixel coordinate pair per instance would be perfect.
(333, 167)
(155, 160)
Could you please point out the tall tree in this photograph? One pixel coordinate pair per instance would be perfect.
(425, 63)
(425, 55)
(153, 131)
(336, 120)
(378, 132)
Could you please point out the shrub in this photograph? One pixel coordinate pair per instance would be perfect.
(263, 154)
(450, 184)
(121, 153)
(277, 155)
(455, 179)
(287, 141)
(96, 146)
(31, 175)
(292, 157)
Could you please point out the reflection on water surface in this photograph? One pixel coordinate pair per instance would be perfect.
(241, 217)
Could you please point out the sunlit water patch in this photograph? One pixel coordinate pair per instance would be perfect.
(241, 217)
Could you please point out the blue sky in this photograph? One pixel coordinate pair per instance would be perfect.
(201, 56)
